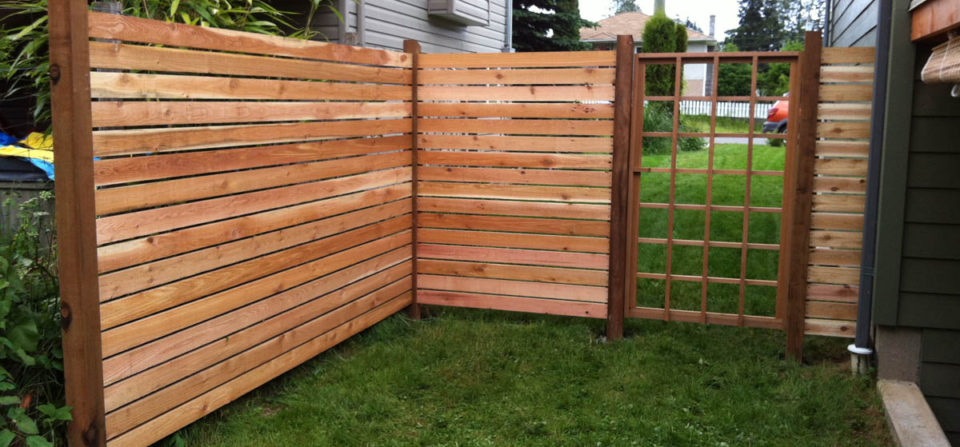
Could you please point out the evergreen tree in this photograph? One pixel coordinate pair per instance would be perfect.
(548, 25)
(620, 6)
(660, 36)
(760, 28)
(733, 79)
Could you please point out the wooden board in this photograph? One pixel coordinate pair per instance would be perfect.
(243, 231)
(839, 184)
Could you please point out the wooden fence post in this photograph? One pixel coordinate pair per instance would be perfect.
(413, 47)
(619, 208)
(803, 138)
(76, 220)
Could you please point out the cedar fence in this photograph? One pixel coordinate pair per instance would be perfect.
(235, 204)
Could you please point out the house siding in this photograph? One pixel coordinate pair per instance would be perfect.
(930, 266)
(389, 22)
(917, 284)
(853, 23)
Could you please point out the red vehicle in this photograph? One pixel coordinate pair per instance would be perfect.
(777, 117)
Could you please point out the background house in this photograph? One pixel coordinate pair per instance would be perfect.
(916, 298)
(441, 26)
(697, 77)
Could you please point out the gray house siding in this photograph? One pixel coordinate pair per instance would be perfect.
(853, 23)
(917, 283)
(930, 266)
(387, 23)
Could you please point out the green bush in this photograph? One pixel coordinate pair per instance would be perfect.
(32, 410)
(657, 117)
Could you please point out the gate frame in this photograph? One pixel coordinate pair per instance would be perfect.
(797, 180)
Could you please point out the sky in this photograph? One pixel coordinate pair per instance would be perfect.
(698, 11)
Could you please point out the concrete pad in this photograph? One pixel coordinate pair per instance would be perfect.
(910, 417)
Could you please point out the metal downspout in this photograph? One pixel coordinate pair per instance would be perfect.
(861, 348)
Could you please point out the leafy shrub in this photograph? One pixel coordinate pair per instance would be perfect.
(31, 359)
(658, 117)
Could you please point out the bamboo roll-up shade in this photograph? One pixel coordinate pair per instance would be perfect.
(944, 63)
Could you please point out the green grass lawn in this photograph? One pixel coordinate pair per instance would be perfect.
(724, 125)
(481, 378)
(728, 189)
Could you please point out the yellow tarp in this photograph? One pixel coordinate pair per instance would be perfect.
(39, 146)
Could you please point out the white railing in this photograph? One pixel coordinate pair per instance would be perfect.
(727, 109)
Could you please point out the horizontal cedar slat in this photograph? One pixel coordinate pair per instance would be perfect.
(516, 192)
(510, 240)
(530, 93)
(154, 167)
(534, 305)
(141, 223)
(517, 110)
(516, 144)
(830, 328)
(515, 208)
(517, 126)
(552, 161)
(126, 198)
(515, 224)
(120, 142)
(136, 251)
(538, 59)
(131, 373)
(129, 308)
(515, 272)
(153, 86)
(513, 256)
(835, 221)
(844, 112)
(839, 203)
(527, 76)
(827, 148)
(855, 167)
(829, 292)
(120, 56)
(840, 185)
(861, 73)
(517, 288)
(844, 129)
(519, 176)
(848, 55)
(846, 92)
(169, 422)
(849, 258)
(149, 275)
(133, 29)
(832, 311)
(836, 239)
(155, 404)
(833, 275)
(150, 113)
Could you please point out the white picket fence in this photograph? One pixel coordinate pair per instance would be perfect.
(727, 109)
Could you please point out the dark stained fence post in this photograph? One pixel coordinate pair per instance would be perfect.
(803, 138)
(619, 208)
(76, 220)
(413, 47)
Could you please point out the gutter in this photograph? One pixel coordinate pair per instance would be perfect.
(508, 34)
(861, 348)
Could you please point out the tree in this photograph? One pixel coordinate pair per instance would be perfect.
(733, 79)
(775, 81)
(621, 6)
(660, 36)
(548, 25)
(760, 28)
(691, 25)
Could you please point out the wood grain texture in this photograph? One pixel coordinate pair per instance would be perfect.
(76, 224)
(132, 29)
